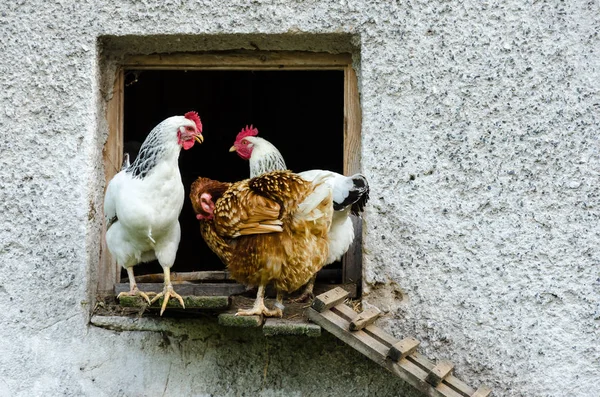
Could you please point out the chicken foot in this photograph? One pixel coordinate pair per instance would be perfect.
(259, 307)
(167, 292)
(308, 291)
(133, 289)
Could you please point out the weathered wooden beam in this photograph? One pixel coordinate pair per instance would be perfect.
(280, 326)
(219, 289)
(178, 277)
(366, 317)
(439, 372)
(352, 288)
(222, 275)
(451, 380)
(203, 289)
(191, 302)
(378, 333)
(319, 289)
(329, 299)
(403, 348)
(352, 259)
(483, 391)
(241, 59)
(219, 275)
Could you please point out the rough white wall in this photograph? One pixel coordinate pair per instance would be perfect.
(480, 125)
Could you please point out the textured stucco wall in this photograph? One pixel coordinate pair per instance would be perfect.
(480, 124)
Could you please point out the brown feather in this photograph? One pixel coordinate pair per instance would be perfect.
(259, 229)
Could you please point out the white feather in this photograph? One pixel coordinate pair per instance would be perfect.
(308, 210)
(341, 232)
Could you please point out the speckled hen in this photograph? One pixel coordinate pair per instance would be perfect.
(269, 229)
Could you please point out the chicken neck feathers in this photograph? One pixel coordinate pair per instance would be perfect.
(265, 157)
(150, 154)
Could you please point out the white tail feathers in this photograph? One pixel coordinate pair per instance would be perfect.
(308, 209)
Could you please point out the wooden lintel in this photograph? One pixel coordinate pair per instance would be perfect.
(367, 317)
(439, 372)
(329, 299)
(403, 348)
(240, 60)
(483, 391)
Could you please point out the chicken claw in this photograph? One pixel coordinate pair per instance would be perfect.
(260, 310)
(167, 292)
(133, 289)
(134, 292)
(308, 291)
(305, 297)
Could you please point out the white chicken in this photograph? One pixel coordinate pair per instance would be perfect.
(350, 193)
(143, 201)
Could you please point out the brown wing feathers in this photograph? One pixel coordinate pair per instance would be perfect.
(258, 235)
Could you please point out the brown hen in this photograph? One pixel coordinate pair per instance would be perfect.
(268, 229)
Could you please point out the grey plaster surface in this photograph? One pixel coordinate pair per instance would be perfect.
(480, 140)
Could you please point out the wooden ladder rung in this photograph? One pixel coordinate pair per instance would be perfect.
(483, 391)
(329, 299)
(365, 318)
(399, 357)
(437, 374)
(403, 348)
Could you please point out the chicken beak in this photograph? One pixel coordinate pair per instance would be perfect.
(232, 149)
(199, 138)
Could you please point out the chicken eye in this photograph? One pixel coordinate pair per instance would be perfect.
(190, 129)
(244, 142)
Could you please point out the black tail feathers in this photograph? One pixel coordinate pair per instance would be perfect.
(358, 196)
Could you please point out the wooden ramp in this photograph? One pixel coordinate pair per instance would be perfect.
(398, 356)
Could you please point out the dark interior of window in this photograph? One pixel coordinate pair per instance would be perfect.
(300, 112)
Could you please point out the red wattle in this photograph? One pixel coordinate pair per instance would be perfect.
(187, 144)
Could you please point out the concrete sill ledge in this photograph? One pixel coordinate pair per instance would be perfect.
(174, 326)
(170, 325)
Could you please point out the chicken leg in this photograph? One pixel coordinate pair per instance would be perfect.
(308, 291)
(133, 289)
(259, 307)
(167, 292)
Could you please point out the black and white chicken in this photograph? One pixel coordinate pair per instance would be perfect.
(143, 201)
(350, 193)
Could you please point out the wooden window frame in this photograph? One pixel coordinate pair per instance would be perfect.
(109, 272)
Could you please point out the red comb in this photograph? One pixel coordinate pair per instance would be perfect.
(248, 131)
(195, 118)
